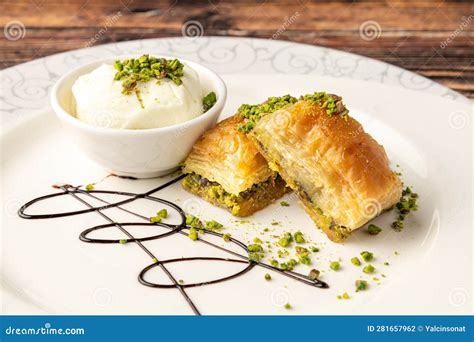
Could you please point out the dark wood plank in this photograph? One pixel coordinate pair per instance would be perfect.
(412, 32)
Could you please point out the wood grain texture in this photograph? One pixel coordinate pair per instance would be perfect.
(431, 38)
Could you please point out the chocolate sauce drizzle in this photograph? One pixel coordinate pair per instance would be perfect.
(181, 228)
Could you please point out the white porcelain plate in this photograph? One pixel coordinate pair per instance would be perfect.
(47, 269)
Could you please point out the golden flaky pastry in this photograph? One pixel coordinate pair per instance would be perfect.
(226, 169)
(340, 173)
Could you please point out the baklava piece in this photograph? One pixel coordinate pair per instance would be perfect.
(340, 173)
(226, 169)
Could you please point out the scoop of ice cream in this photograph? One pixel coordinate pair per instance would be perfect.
(100, 101)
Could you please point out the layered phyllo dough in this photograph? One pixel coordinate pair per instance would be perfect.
(226, 169)
(340, 173)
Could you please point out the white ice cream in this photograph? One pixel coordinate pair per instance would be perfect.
(100, 102)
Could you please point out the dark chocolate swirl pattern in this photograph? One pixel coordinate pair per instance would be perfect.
(182, 229)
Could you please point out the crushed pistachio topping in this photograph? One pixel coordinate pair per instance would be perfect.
(335, 265)
(332, 103)
(163, 213)
(288, 306)
(155, 260)
(367, 256)
(284, 204)
(143, 69)
(289, 265)
(406, 205)
(274, 263)
(386, 263)
(193, 234)
(213, 225)
(368, 269)
(208, 101)
(255, 252)
(372, 229)
(257, 240)
(303, 255)
(155, 219)
(314, 274)
(314, 249)
(361, 285)
(123, 241)
(226, 237)
(355, 261)
(181, 281)
(345, 295)
(299, 237)
(253, 112)
(285, 240)
(90, 187)
(193, 221)
(268, 277)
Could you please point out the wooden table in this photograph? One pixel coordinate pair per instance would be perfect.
(431, 38)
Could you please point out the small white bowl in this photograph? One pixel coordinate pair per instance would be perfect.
(142, 153)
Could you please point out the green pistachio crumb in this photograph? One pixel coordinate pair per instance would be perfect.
(268, 277)
(284, 204)
(123, 241)
(361, 285)
(332, 103)
(315, 249)
(226, 237)
(255, 252)
(299, 237)
(155, 260)
(209, 101)
(386, 263)
(266, 230)
(274, 263)
(193, 221)
(368, 269)
(252, 113)
(193, 234)
(345, 295)
(213, 225)
(143, 69)
(163, 213)
(367, 256)
(90, 187)
(257, 240)
(181, 281)
(372, 229)
(335, 265)
(407, 204)
(285, 240)
(155, 219)
(288, 306)
(355, 261)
